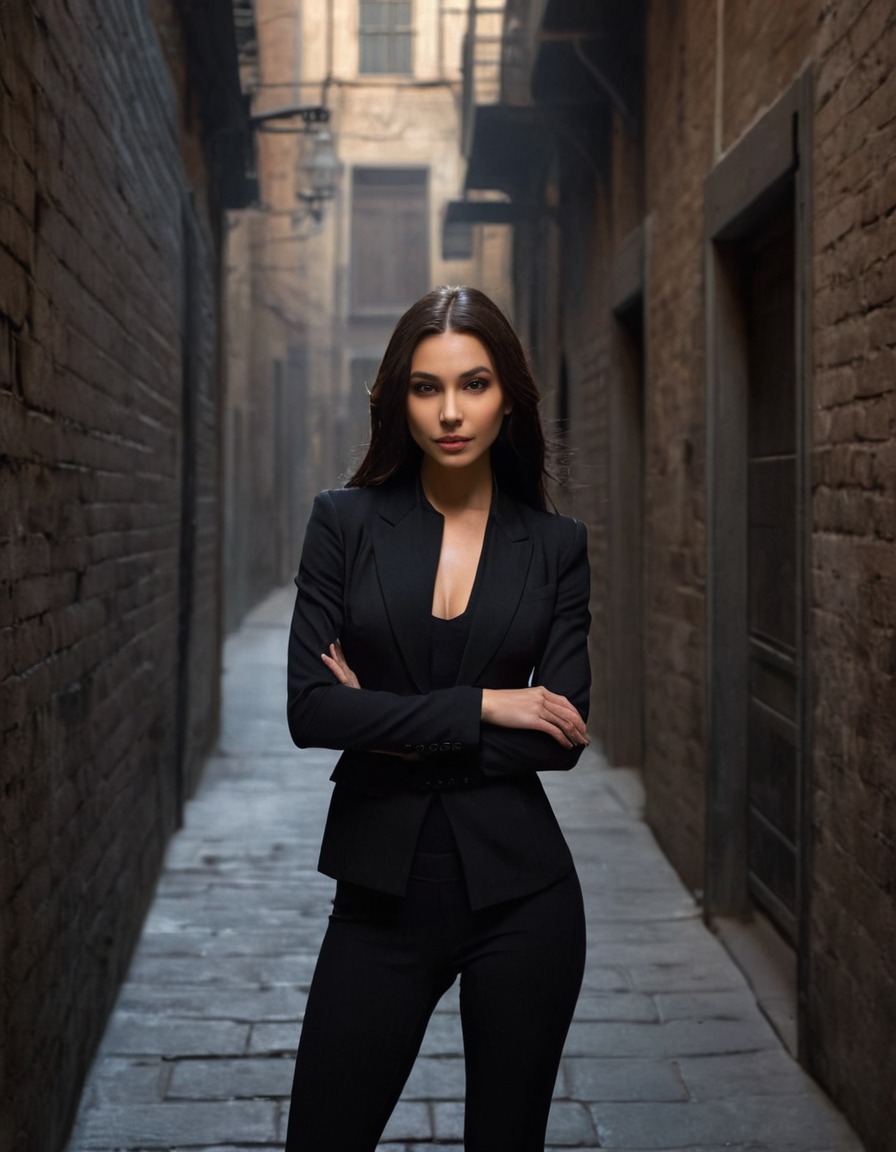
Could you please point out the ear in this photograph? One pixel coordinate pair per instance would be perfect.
(508, 408)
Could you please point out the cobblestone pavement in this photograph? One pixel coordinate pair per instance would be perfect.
(668, 1049)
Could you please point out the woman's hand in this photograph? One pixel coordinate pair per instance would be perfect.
(338, 665)
(535, 708)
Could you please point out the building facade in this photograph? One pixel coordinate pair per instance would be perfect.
(701, 198)
(311, 303)
(122, 141)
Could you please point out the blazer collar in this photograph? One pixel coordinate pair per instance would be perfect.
(407, 540)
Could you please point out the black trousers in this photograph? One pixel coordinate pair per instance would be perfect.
(383, 966)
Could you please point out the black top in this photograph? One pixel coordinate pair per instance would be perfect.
(447, 641)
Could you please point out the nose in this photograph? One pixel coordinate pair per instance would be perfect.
(450, 413)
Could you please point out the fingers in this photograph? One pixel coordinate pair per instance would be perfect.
(556, 732)
(338, 665)
(537, 708)
(565, 719)
(335, 667)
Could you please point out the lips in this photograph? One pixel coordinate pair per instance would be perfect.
(453, 444)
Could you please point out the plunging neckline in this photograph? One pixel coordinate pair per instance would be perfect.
(480, 565)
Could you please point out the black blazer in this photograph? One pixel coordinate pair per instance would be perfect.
(366, 577)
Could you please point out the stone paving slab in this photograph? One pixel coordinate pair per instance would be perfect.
(198, 1001)
(770, 1072)
(677, 1038)
(265, 967)
(668, 1051)
(175, 1123)
(243, 1079)
(570, 1124)
(411, 1120)
(735, 1005)
(274, 1039)
(131, 1080)
(436, 1078)
(142, 1034)
(598, 1078)
(769, 1122)
(181, 940)
(616, 1005)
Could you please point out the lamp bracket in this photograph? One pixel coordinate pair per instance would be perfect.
(310, 115)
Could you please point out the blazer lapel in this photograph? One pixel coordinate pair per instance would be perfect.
(407, 539)
(503, 579)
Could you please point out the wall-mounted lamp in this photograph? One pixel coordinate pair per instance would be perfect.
(320, 167)
(317, 171)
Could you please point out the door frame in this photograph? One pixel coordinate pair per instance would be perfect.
(775, 153)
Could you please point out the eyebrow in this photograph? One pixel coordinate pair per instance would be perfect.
(483, 369)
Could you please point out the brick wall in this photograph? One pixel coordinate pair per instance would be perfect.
(680, 75)
(102, 270)
(851, 981)
(706, 85)
(852, 986)
(763, 46)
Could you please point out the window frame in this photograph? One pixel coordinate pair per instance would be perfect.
(398, 39)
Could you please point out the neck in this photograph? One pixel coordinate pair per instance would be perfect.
(467, 488)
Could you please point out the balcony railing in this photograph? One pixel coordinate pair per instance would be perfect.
(482, 63)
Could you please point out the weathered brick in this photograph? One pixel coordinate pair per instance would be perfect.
(841, 343)
(13, 288)
(852, 515)
(872, 23)
(881, 327)
(90, 412)
(837, 222)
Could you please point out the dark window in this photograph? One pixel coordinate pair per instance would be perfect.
(457, 241)
(390, 238)
(385, 36)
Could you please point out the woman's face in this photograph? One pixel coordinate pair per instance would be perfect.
(455, 400)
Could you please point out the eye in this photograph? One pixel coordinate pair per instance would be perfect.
(477, 385)
(422, 388)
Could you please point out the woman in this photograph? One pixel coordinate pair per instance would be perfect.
(440, 639)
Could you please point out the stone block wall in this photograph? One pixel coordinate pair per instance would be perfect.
(109, 513)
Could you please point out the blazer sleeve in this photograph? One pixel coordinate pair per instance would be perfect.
(563, 667)
(325, 714)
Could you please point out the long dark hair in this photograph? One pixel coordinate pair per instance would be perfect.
(518, 454)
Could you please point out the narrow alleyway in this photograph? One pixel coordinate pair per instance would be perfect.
(668, 1049)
